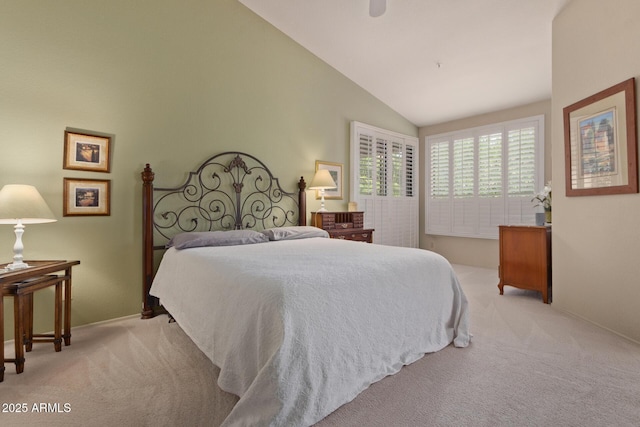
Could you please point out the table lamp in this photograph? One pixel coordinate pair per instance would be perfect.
(19, 205)
(321, 181)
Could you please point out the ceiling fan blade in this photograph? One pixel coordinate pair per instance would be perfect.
(377, 7)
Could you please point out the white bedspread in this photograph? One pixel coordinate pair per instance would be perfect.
(299, 328)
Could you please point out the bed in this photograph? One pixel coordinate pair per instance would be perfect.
(298, 323)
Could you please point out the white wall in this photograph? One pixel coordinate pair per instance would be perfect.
(596, 239)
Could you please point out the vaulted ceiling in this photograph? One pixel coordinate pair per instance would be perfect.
(432, 61)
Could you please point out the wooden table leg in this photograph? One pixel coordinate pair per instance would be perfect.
(28, 323)
(18, 307)
(57, 332)
(1, 336)
(67, 307)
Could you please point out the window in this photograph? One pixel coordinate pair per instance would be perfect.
(483, 177)
(386, 183)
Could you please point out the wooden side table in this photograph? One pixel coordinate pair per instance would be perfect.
(525, 258)
(21, 284)
(343, 225)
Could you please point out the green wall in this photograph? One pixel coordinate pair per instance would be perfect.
(175, 81)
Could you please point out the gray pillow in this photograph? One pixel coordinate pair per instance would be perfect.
(216, 238)
(292, 233)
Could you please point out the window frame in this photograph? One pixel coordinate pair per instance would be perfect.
(479, 216)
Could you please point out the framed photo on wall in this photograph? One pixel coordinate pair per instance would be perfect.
(87, 152)
(83, 197)
(335, 169)
(600, 143)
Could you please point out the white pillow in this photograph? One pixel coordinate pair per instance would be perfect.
(216, 238)
(292, 233)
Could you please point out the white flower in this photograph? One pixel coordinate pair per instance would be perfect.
(543, 198)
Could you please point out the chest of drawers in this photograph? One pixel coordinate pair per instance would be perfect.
(525, 259)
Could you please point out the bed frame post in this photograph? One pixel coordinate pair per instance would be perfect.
(147, 235)
(302, 202)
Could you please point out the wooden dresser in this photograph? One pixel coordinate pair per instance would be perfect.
(343, 225)
(525, 258)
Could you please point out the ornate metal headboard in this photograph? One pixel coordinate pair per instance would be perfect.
(232, 190)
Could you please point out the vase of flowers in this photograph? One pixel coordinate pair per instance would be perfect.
(543, 199)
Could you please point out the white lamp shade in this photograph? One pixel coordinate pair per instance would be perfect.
(23, 203)
(322, 180)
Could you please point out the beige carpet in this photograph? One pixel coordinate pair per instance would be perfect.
(528, 365)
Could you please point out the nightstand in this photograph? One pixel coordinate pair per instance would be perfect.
(343, 225)
(525, 258)
(21, 284)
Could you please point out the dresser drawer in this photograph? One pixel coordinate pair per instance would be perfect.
(344, 226)
(337, 220)
(357, 234)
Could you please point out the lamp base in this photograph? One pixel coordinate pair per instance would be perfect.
(322, 208)
(16, 266)
(18, 247)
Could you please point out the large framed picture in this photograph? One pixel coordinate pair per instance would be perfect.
(335, 169)
(84, 197)
(600, 143)
(86, 152)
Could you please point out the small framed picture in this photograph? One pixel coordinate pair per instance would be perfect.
(335, 169)
(84, 197)
(87, 152)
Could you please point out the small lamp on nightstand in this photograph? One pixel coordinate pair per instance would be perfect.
(322, 181)
(19, 205)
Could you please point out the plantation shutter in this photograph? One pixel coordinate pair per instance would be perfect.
(387, 184)
(464, 204)
(439, 218)
(365, 164)
(521, 172)
(491, 204)
(410, 175)
(381, 167)
(484, 177)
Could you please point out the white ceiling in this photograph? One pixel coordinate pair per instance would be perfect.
(432, 61)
